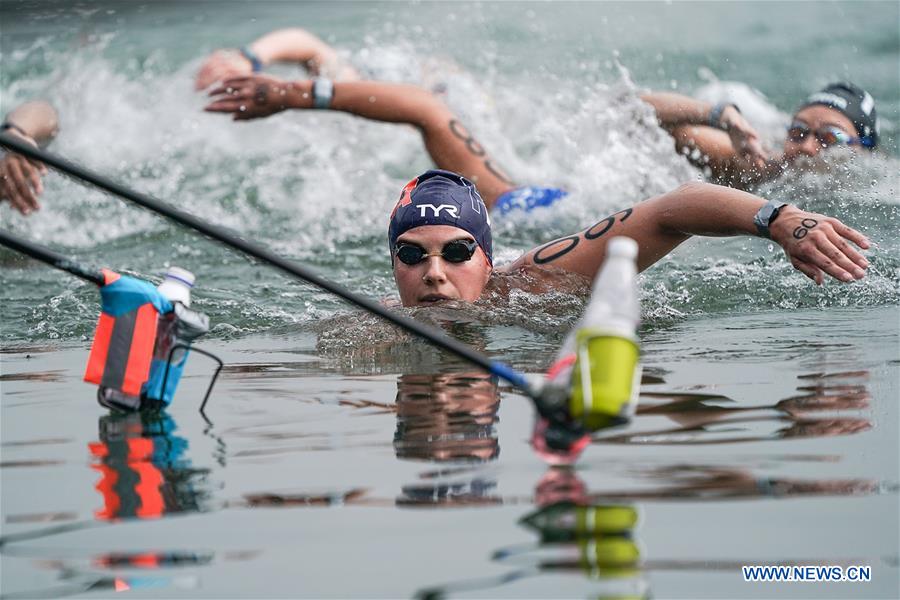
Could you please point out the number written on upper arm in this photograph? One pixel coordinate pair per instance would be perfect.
(558, 248)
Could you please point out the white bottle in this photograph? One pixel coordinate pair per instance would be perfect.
(176, 287)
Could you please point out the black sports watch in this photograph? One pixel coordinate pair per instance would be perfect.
(766, 215)
(323, 92)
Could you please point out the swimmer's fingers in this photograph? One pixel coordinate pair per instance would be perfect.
(223, 106)
(32, 172)
(851, 234)
(807, 269)
(233, 85)
(851, 253)
(16, 186)
(754, 151)
(821, 253)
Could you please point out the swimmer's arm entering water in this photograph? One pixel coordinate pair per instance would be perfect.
(447, 141)
(814, 243)
(293, 44)
(35, 122)
(732, 149)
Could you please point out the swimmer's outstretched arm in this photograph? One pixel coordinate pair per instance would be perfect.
(447, 141)
(814, 243)
(294, 45)
(35, 122)
(730, 147)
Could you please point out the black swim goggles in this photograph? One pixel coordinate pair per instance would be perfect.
(828, 135)
(457, 251)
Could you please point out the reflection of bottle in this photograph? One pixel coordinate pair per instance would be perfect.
(599, 359)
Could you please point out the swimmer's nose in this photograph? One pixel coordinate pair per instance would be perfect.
(810, 146)
(435, 274)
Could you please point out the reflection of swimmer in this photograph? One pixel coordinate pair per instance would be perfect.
(143, 467)
(448, 418)
(841, 114)
(697, 482)
(36, 123)
(700, 417)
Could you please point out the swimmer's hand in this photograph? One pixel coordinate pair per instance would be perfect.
(221, 65)
(20, 178)
(744, 139)
(816, 244)
(256, 96)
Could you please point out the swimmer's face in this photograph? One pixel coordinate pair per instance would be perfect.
(815, 117)
(436, 279)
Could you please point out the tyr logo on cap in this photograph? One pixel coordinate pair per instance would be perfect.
(436, 210)
(442, 198)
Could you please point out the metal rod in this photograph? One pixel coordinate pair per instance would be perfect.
(48, 256)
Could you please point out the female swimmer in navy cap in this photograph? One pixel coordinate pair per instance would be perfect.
(441, 246)
(841, 114)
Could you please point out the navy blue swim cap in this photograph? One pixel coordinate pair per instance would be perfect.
(442, 198)
(855, 103)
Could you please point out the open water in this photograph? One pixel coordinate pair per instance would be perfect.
(345, 459)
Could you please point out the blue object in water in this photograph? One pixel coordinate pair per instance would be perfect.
(528, 198)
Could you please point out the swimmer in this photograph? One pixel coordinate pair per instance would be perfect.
(35, 122)
(841, 114)
(441, 247)
(293, 45)
(447, 140)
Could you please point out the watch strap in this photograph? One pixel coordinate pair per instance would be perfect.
(255, 64)
(766, 216)
(323, 92)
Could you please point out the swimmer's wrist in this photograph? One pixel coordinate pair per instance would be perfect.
(777, 226)
(717, 112)
(299, 95)
(256, 64)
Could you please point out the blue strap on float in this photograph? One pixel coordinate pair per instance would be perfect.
(126, 294)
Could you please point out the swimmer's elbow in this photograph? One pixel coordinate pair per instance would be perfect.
(693, 188)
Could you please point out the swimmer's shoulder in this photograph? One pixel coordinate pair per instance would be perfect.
(536, 279)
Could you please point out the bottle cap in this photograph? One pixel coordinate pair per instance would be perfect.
(622, 246)
(176, 286)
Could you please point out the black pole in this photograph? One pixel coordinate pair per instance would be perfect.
(46, 255)
(259, 252)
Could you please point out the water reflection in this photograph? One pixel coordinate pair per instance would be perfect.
(594, 533)
(448, 418)
(711, 419)
(144, 468)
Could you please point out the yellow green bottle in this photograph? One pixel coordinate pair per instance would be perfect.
(606, 373)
